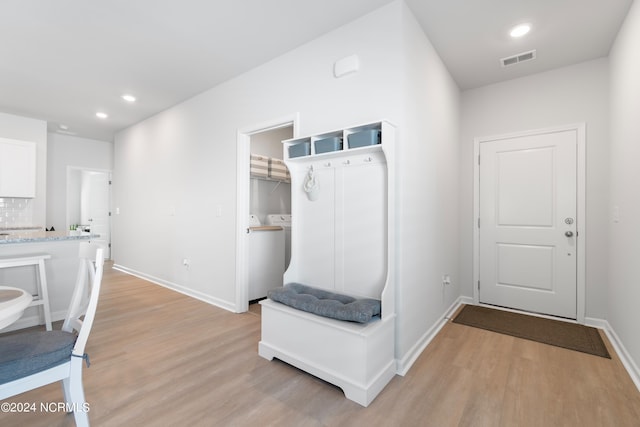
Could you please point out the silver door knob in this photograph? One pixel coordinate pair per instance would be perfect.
(568, 233)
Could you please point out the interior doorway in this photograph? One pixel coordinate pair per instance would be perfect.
(269, 207)
(258, 196)
(89, 203)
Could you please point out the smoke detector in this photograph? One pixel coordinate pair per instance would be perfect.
(516, 59)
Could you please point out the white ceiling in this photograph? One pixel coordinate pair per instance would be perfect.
(63, 60)
(471, 36)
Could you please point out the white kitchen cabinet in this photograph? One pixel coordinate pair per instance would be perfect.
(17, 168)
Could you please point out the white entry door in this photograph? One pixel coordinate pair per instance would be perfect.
(528, 223)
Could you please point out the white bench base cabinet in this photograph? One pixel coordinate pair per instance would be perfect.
(358, 358)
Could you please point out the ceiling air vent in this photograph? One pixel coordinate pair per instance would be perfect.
(516, 59)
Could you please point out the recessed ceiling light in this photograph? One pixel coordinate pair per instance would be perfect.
(520, 30)
(102, 115)
(63, 127)
(129, 98)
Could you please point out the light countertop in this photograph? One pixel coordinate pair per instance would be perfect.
(44, 236)
(17, 229)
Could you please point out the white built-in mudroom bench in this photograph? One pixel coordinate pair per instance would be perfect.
(342, 186)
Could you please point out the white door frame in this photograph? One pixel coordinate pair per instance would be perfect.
(242, 199)
(580, 129)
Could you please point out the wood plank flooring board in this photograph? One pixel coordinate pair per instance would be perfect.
(486, 396)
(161, 358)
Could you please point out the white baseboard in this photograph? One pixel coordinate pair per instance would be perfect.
(34, 320)
(466, 300)
(403, 365)
(178, 288)
(626, 359)
(596, 323)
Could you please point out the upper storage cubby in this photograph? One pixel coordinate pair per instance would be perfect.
(367, 137)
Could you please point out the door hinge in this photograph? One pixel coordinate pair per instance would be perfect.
(478, 222)
(109, 213)
(109, 245)
(110, 182)
(478, 284)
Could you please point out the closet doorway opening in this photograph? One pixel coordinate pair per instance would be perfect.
(264, 209)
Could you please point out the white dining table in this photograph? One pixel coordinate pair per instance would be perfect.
(13, 302)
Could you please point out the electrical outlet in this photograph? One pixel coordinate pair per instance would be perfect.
(186, 262)
(446, 280)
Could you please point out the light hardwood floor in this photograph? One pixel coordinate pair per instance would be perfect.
(159, 358)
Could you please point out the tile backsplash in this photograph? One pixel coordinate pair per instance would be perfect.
(15, 212)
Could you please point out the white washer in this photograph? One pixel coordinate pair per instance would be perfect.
(266, 258)
(284, 221)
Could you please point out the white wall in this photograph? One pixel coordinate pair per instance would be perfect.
(174, 169)
(427, 216)
(26, 129)
(573, 94)
(65, 151)
(624, 271)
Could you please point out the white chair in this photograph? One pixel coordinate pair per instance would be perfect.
(30, 360)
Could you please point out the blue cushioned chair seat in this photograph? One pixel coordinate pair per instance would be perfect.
(325, 303)
(27, 353)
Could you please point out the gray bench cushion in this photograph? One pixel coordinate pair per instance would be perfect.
(26, 353)
(325, 303)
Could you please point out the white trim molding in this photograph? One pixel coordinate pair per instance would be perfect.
(34, 320)
(243, 194)
(624, 356)
(226, 305)
(403, 365)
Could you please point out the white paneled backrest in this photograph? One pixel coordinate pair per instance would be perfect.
(362, 250)
(340, 241)
(314, 229)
